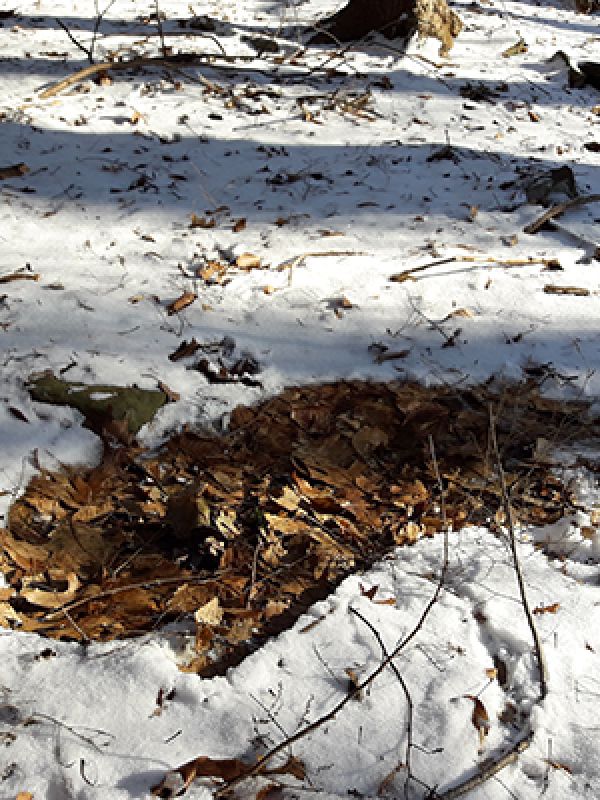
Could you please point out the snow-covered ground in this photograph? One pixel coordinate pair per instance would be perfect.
(135, 186)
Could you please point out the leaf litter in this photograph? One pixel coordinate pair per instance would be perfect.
(237, 534)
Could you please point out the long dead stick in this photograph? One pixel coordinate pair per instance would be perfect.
(177, 60)
(559, 209)
(401, 277)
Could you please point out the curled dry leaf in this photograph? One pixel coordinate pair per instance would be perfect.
(14, 171)
(172, 396)
(8, 616)
(479, 718)
(177, 781)
(353, 683)
(367, 440)
(276, 607)
(267, 791)
(386, 784)
(48, 598)
(293, 766)
(29, 557)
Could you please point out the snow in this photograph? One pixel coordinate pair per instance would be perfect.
(103, 216)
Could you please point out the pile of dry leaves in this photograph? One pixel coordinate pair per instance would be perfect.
(241, 532)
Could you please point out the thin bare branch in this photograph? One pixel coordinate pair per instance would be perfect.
(161, 33)
(485, 773)
(517, 566)
(78, 44)
(409, 702)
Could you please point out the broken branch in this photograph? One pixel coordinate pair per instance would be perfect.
(559, 209)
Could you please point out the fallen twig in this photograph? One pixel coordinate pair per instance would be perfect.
(485, 772)
(407, 274)
(89, 51)
(577, 291)
(89, 741)
(559, 209)
(175, 60)
(20, 276)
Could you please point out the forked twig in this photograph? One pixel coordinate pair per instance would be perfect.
(409, 702)
(89, 51)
